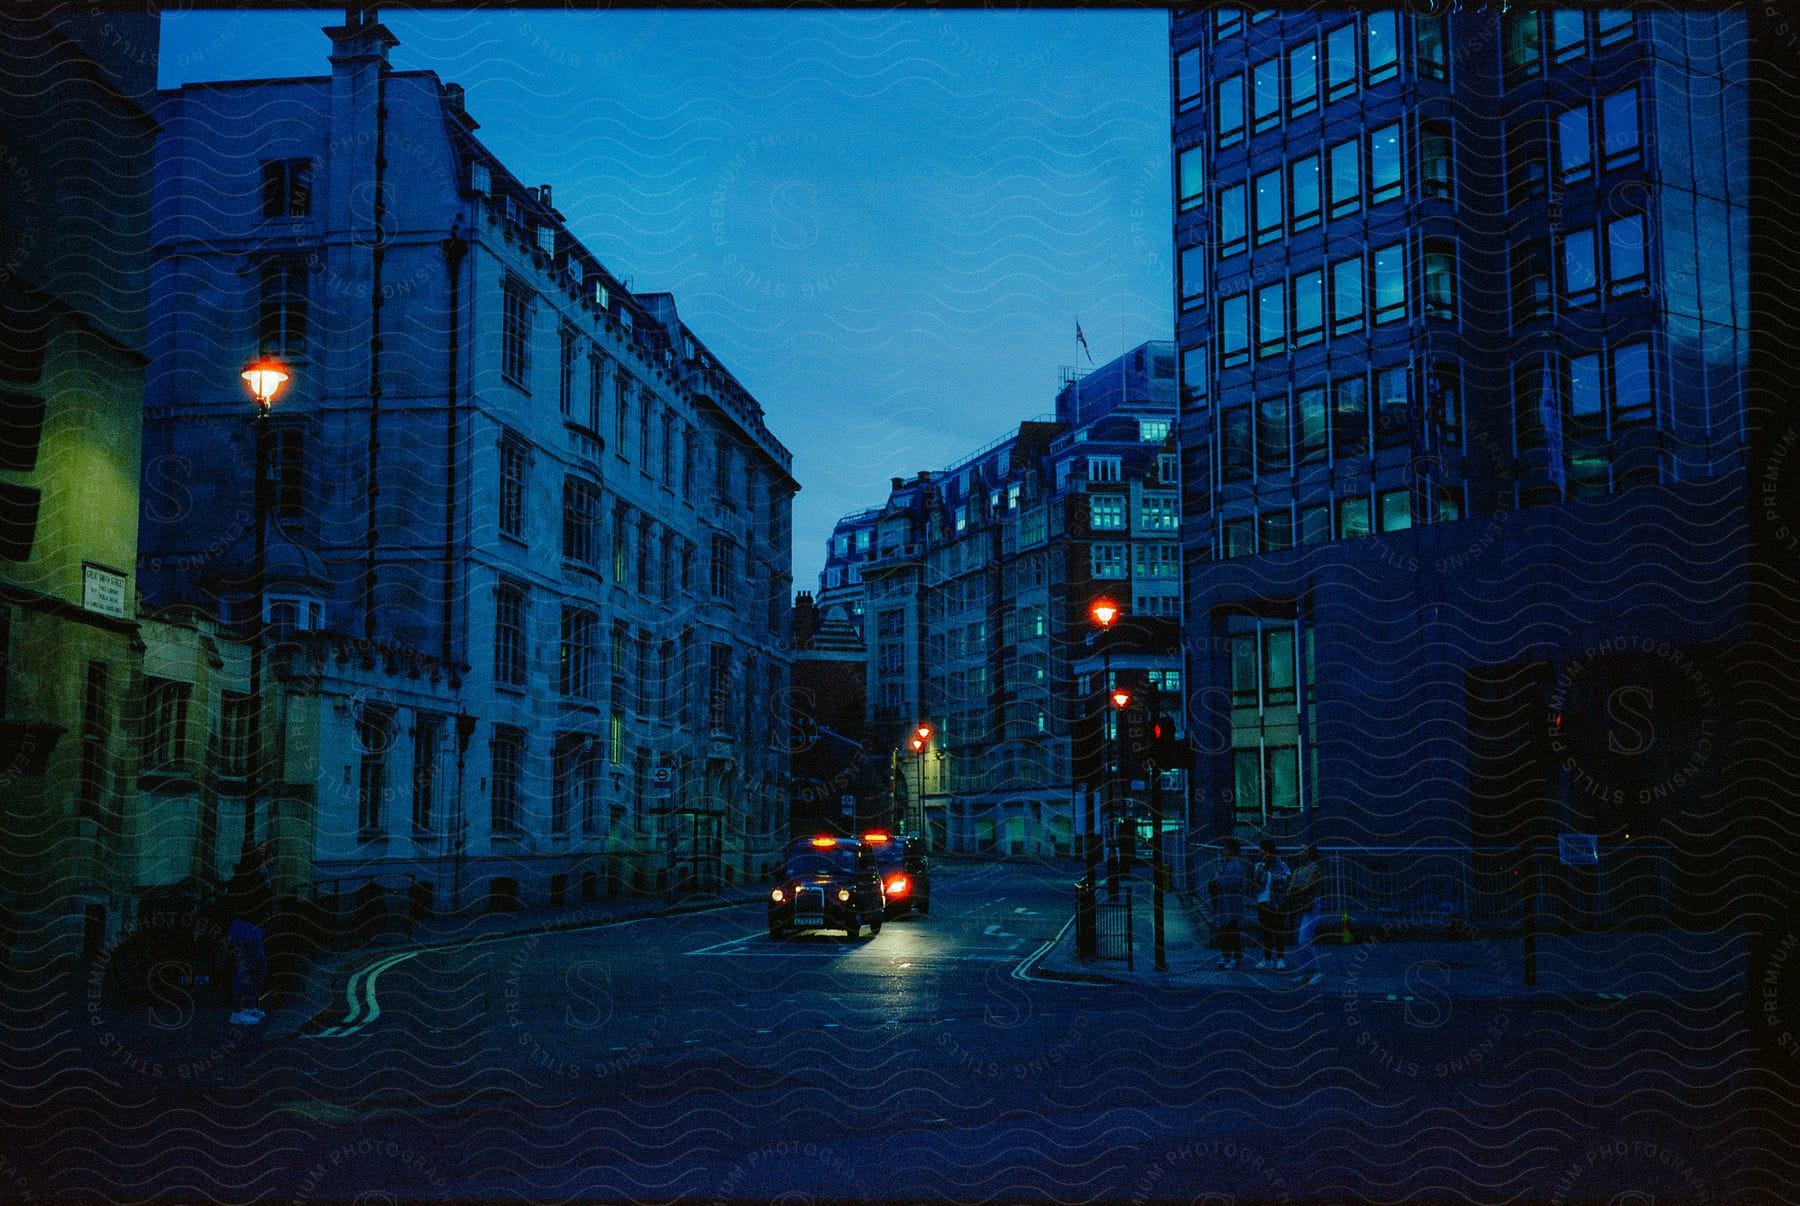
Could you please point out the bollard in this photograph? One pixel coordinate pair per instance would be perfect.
(1087, 939)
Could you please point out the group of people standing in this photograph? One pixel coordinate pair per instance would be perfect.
(1287, 901)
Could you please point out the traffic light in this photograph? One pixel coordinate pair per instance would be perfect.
(1168, 751)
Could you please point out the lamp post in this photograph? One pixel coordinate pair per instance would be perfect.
(1104, 613)
(264, 379)
(921, 737)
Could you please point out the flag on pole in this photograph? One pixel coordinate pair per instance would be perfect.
(1081, 341)
(1550, 415)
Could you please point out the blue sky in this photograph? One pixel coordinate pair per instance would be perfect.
(886, 224)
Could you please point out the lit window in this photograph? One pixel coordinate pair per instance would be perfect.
(1107, 560)
(1619, 128)
(1396, 510)
(1303, 78)
(1315, 525)
(1158, 512)
(1568, 34)
(1439, 294)
(1346, 177)
(1614, 25)
(1161, 559)
(1353, 518)
(1347, 296)
(1226, 22)
(1268, 206)
(1340, 62)
(1521, 47)
(1383, 46)
(1625, 255)
(1389, 283)
(1193, 375)
(1228, 111)
(1234, 330)
(1231, 221)
(1574, 145)
(1384, 164)
(1309, 308)
(1271, 320)
(1303, 193)
(1266, 99)
(1106, 512)
(1586, 410)
(1192, 171)
(1579, 284)
(1153, 431)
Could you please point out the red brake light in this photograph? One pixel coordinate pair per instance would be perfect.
(898, 886)
(824, 841)
(875, 839)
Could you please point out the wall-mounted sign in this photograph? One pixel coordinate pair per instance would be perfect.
(102, 590)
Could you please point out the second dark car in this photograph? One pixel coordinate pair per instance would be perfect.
(905, 871)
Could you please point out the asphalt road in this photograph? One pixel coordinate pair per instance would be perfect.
(691, 1057)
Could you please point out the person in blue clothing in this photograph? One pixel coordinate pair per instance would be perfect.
(1304, 912)
(249, 899)
(1269, 882)
(1227, 891)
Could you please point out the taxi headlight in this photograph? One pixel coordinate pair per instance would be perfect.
(778, 896)
(844, 895)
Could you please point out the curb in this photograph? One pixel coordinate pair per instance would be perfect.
(1029, 970)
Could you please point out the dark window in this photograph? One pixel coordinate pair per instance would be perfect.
(1435, 158)
(1272, 435)
(374, 734)
(18, 521)
(1340, 62)
(1384, 164)
(1527, 160)
(1521, 46)
(1633, 397)
(1228, 111)
(1614, 25)
(1350, 417)
(287, 472)
(1533, 395)
(1303, 193)
(1568, 34)
(427, 733)
(1187, 79)
(1530, 281)
(1388, 281)
(1391, 408)
(1268, 206)
(1235, 463)
(1276, 529)
(287, 188)
(596, 389)
(1443, 404)
(513, 460)
(1231, 221)
(281, 308)
(1382, 41)
(578, 655)
(515, 332)
(719, 698)
(1574, 145)
(1587, 411)
(1227, 22)
(565, 373)
(1315, 524)
(1312, 423)
(1619, 128)
(1193, 276)
(1309, 308)
(1266, 94)
(508, 754)
(21, 430)
(1192, 177)
(581, 521)
(1625, 255)
(1353, 518)
(1303, 78)
(1347, 296)
(1439, 293)
(1234, 330)
(723, 566)
(1429, 48)
(1237, 538)
(1580, 285)
(1346, 177)
(165, 724)
(1271, 320)
(234, 734)
(1194, 385)
(509, 634)
(96, 732)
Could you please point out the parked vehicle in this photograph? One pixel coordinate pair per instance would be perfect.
(905, 871)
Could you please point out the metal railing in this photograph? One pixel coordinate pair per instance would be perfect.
(1103, 928)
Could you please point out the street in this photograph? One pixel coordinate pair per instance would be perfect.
(688, 1056)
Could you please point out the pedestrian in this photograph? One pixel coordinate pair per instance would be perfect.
(1270, 881)
(1305, 909)
(249, 899)
(1227, 891)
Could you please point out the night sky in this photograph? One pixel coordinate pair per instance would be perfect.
(886, 224)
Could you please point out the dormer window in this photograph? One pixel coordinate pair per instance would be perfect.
(481, 180)
(546, 239)
(601, 297)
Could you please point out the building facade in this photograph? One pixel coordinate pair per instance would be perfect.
(1462, 326)
(534, 638)
(76, 147)
(974, 585)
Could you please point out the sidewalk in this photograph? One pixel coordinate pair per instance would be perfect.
(1600, 966)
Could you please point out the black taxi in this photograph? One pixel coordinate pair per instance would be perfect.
(905, 871)
(829, 883)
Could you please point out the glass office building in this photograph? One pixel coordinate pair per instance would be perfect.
(1462, 318)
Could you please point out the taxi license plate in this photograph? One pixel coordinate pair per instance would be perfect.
(809, 919)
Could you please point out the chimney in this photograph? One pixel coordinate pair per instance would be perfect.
(453, 97)
(361, 36)
(898, 482)
(544, 196)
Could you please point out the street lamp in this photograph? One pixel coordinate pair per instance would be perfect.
(921, 737)
(264, 379)
(1104, 613)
